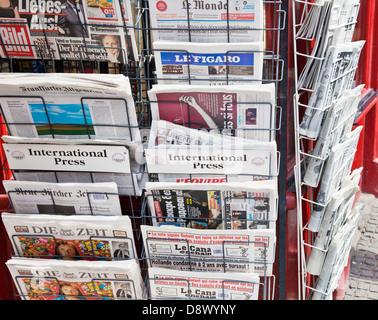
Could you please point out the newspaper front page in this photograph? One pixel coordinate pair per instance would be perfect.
(69, 106)
(94, 30)
(50, 279)
(207, 21)
(63, 198)
(32, 159)
(238, 206)
(62, 237)
(247, 111)
(244, 251)
(208, 63)
(172, 284)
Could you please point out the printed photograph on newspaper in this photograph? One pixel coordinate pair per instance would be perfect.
(68, 30)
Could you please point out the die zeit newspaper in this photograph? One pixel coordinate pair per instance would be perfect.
(59, 29)
(219, 251)
(207, 20)
(50, 279)
(70, 237)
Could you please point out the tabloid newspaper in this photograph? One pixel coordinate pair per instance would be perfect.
(208, 63)
(338, 71)
(238, 206)
(328, 22)
(69, 106)
(69, 30)
(172, 284)
(338, 166)
(207, 21)
(338, 122)
(247, 111)
(243, 251)
(50, 279)
(70, 237)
(63, 198)
(335, 215)
(337, 258)
(63, 160)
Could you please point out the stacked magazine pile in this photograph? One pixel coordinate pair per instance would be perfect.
(331, 104)
(212, 154)
(73, 148)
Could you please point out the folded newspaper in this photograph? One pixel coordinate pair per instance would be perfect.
(337, 75)
(338, 166)
(253, 158)
(335, 215)
(208, 63)
(69, 107)
(65, 30)
(167, 133)
(247, 111)
(63, 160)
(328, 22)
(338, 122)
(50, 279)
(337, 258)
(207, 21)
(173, 284)
(63, 198)
(70, 237)
(244, 205)
(243, 251)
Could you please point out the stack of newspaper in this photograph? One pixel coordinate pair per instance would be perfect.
(212, 42)
(247, 111)
(69, 30)
(50, 279)
(71, 237)
(337, 257)
(338, 122)
(328, 22)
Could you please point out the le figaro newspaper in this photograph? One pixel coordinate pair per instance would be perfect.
(100, 30)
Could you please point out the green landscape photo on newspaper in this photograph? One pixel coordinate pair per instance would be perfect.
(62, 119)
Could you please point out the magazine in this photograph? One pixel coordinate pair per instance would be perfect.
(65, 30)
(238, 206)
(243, 251)
(337, 75)
(208, 63)
(63, 198)
(207, 21)
(338, 122)
(172, 284)
(70, 237)
(50, 279)
(338, 166)
(69, 106)
(247, 111)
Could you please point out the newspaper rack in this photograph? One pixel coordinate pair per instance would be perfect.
(142, 76)
(306, 195)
